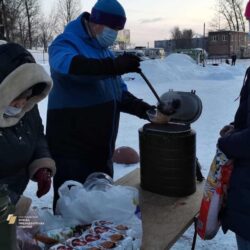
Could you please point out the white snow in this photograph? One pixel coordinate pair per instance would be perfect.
(217, 86)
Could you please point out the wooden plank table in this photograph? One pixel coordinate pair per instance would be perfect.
(164, 219)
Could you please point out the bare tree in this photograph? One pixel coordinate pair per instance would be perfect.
(20, 20)
(231, 15)
(10, 11)
(187, 34)
(21, 31)
(239, 10)
(31, 10)
(67, 10)
(47, 29)
(183, 39)
(176, 33)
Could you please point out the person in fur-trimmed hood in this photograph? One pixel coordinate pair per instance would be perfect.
(24, 153)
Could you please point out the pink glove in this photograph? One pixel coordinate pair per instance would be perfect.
(43, 179)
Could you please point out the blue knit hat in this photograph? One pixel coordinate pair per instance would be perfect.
(109, 13)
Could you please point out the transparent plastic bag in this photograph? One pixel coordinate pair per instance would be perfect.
(118, 204)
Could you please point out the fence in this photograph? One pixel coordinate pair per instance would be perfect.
(216, 60)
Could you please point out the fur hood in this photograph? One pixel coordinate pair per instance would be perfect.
(19, 80)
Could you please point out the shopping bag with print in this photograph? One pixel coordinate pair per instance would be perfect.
(214, 196)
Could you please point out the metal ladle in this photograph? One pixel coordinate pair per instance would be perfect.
(164, 108)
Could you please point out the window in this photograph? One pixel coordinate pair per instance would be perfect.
(214, 38)
(224, 38)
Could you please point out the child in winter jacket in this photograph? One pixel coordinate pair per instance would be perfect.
(24, 153)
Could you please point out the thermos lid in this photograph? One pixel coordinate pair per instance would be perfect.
(189, 109)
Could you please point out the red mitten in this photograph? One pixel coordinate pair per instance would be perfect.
(43, 179)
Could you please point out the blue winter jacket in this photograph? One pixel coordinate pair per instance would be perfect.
(236, 216)
(83, 109)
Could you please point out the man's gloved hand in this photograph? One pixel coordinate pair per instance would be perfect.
(43, 179)
(127, 63)
(156, 116)
(142, 110)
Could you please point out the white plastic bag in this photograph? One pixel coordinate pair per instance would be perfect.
(118, 204)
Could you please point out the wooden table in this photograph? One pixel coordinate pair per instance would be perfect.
(164, 219)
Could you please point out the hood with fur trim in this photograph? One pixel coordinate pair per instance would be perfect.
(19, 72)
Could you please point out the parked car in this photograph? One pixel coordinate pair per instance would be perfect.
(154, 53)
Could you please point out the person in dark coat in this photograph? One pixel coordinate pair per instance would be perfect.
(235, 143)
(233, 57)
(24, 153)
(88, 94)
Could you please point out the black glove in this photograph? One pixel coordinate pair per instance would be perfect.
(127, 63)
(142, 109)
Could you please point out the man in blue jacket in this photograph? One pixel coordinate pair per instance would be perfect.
(88, 93)
(235, 143)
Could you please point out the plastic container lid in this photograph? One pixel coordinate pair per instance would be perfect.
(98, 181)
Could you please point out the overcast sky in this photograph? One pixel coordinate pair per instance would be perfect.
(150, 20)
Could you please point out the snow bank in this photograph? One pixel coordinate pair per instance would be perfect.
(177, 67)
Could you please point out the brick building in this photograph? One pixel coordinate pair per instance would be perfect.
(225, 43)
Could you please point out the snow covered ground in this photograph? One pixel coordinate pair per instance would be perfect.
(217, 86)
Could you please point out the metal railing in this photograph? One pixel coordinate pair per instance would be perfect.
(216, 60)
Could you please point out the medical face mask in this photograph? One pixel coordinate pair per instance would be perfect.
(12, 111)
(107, 37)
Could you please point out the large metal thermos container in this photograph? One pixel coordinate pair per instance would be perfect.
(168, 151)
(168, 156)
